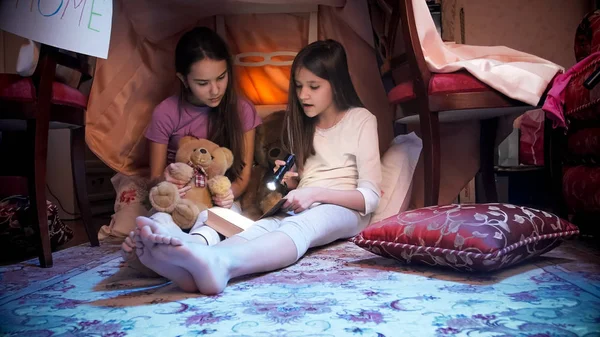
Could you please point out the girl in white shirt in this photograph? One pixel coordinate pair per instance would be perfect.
(337, 188)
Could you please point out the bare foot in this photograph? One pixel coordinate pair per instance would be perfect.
(159, 233)
(181, 277)
(128, 248)
(208, 267)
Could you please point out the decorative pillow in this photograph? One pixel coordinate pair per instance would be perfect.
(531, 139)
(471, 237)
(398, 165)
(131, 202)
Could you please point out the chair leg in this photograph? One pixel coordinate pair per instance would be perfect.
(487, 146)
(430, 130)
(38, 135)
(79, 177)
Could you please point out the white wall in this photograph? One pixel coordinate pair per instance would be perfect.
(545, 28)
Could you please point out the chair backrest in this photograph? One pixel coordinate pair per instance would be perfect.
(45, 76)
(50, 57)
(414, 53)
(399, 15)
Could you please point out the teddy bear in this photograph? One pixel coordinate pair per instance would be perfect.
(202, 164)
(267, 148)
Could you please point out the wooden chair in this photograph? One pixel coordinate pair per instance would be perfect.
(34, 105)
(432, 97)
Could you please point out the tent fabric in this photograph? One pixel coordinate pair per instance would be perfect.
(139, 71)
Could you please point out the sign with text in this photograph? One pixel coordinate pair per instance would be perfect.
(82, 26)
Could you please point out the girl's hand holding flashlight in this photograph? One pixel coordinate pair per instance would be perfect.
(290, 178)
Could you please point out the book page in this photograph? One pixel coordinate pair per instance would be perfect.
(232, 217)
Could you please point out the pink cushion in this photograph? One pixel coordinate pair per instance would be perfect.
(63, 94)
(401, 93)
(473, 237)
(531, 139)
(16, 88)
(439, 84)
(581, 188)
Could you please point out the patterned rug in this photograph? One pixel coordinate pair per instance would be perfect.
(21, 278)
(339, 290)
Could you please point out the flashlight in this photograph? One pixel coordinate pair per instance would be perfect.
(278, 176)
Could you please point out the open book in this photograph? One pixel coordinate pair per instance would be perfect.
(274, 210)
(228, 223)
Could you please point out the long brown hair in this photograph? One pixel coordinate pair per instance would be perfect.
(224, 123)
(327, 60)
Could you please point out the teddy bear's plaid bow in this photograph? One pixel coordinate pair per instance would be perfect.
(199, 177)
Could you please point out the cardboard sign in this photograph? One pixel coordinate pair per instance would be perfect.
(81, 26)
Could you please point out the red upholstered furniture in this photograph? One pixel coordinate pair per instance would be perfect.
(34, 105)
(439, 84)
(574, 153)
(430, 95)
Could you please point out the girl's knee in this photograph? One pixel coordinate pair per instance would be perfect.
(267, 225)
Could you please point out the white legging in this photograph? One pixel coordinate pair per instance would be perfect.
(210, 235)
(314, 227)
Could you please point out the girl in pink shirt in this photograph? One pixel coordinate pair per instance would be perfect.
(208, 107)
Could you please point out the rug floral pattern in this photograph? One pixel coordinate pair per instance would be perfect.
(340, 290)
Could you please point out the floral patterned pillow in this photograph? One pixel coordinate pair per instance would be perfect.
(470, 237)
